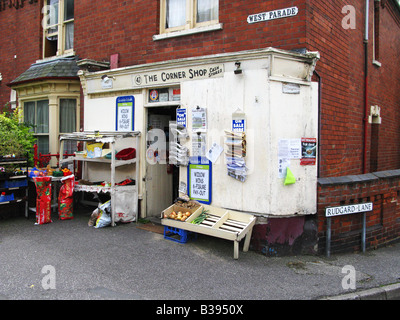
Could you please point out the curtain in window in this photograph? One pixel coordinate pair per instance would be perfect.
(52, 18)
(207, 10)
(42, 116)
(67, 115)
(29, 113)
(176, 13)
(69, 35)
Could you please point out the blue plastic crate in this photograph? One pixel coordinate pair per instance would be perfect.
(177, 235)
(14, 183)
(7, 197)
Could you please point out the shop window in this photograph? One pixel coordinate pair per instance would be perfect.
(36, 113)
(178, 15)
(68, 122)
(58, 28)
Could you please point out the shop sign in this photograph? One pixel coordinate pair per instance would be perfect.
(125, 110)
(177, 75)
(272, 15)
(349, 209)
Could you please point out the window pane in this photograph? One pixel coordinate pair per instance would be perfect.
(67, 115)
(69, 36)
(52, 12)
(176, 13)
(29, 113)
(43, 144)
(68, 9)
(207, 10)
(42, 116)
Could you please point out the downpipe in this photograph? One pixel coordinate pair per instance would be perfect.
(365, 86)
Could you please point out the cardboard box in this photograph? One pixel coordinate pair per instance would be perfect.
(177, 208)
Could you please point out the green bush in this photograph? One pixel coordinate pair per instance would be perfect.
(15, 137)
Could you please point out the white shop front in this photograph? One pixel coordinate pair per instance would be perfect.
(260, 102)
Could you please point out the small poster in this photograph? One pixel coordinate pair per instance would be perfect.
(238, 125)
(125, 110)
(308, 151)
(181, 117)
(199, 120)
(289, 148)
(199, 181)
(198, 145)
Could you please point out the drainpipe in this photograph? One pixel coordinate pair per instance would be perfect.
(366, 85)
(319, 122)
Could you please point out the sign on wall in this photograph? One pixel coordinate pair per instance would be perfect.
(200, 180)
(349, 209)
(125, 113)
(157, 77)
(272, 15)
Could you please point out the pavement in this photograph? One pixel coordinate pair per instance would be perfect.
(68, 260)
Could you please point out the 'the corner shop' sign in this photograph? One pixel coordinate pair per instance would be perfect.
(272, 15)
(349, 209)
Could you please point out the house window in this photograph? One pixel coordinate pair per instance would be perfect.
(179, 15)
(36, 113)
(376, 31)
(58, 28)
(68, 122)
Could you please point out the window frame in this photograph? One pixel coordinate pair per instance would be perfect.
(60, 33)
(191, 14)
(35, 124)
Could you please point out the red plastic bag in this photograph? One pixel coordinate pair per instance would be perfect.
(66, 198)
(43, 199)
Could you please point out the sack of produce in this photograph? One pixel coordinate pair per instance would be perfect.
(66, 198)
(43, 200)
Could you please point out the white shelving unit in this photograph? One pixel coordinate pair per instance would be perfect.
(110, 170)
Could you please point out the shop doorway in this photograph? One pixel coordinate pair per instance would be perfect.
(161, 177)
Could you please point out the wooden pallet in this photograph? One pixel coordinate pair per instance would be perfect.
(221, 223)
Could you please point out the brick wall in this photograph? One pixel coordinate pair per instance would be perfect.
(127, 28)
(383, 223)
(20, 35)
(342, 102)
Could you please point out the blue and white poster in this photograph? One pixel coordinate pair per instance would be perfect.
(125, 113)
(181, 117)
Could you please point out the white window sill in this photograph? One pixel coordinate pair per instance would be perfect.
(182, 33)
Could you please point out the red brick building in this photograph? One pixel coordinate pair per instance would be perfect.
(357, 70)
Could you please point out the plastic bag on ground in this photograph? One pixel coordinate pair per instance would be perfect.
(104, 218)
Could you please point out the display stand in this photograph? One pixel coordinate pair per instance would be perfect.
(15, 187)
(220, 223)
(107, 169)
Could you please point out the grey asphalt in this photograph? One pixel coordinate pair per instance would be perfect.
(129, 263)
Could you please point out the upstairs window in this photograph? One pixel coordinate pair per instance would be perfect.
(187, 14)
(58, 37)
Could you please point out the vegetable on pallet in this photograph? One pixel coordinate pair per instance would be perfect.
(202, 216)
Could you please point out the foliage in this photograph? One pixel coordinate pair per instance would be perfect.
(15, 137)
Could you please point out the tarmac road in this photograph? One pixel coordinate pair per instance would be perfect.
(68, 260)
